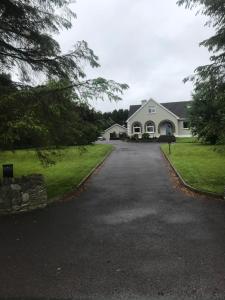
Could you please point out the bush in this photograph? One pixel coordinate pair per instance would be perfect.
(134, 137)
(123, 135)
(167, 139)
(153, 139)
(145, 136)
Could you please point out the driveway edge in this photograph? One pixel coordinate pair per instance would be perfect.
(67, 196)
(186, 185)
(95, 168)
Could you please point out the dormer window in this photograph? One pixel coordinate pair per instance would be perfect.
(152, 110)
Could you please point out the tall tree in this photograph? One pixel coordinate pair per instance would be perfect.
(116, 116)
(27, 46)
(208, 111)
(50, 119)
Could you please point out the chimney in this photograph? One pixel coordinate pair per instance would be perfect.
(143, 102)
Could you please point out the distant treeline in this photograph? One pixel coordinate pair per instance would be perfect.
(117, 116)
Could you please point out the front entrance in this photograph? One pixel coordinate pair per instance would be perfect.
(166, 128)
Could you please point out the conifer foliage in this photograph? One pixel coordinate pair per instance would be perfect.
(208, 110)
(28, 50)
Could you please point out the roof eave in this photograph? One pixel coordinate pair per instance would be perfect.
(113, 126)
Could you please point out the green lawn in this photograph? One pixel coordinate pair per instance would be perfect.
(68, 172)
(186, 140)
(200, 165)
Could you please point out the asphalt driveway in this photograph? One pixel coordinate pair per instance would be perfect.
(129, 235)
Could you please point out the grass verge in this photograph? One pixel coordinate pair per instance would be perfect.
(186, 140)
(201, 166)
(72, 166)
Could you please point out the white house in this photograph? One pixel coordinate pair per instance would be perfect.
(155, 119)
(159, 119)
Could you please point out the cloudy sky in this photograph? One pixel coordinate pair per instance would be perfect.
(149, 44)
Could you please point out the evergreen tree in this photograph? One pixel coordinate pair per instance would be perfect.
(208, 110)
(39, 115)
(116, 116)
(59, 121)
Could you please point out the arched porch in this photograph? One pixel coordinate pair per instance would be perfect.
(166, 127)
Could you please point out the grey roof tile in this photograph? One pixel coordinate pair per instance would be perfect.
(180, 109)
(133, 109)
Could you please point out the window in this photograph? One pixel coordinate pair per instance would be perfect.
(152, 110)
(186, 125)
(137, 129)
(150, 129)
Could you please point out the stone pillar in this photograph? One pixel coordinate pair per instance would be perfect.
(23, 194)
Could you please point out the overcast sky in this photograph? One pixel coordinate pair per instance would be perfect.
(149, 44)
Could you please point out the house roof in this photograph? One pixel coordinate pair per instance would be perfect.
(133, 109)
(178, 108)
(114, 126)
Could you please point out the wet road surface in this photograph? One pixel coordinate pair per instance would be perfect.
(129, 235)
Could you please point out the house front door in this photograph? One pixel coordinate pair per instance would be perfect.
(168, 129)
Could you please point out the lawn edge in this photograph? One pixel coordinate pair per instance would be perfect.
(188, 186)
(68, 195)
(96, 167)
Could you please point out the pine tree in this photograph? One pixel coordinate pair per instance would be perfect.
(208, 111)
(27, 46)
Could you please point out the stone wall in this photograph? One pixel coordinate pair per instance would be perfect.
(22, 194)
